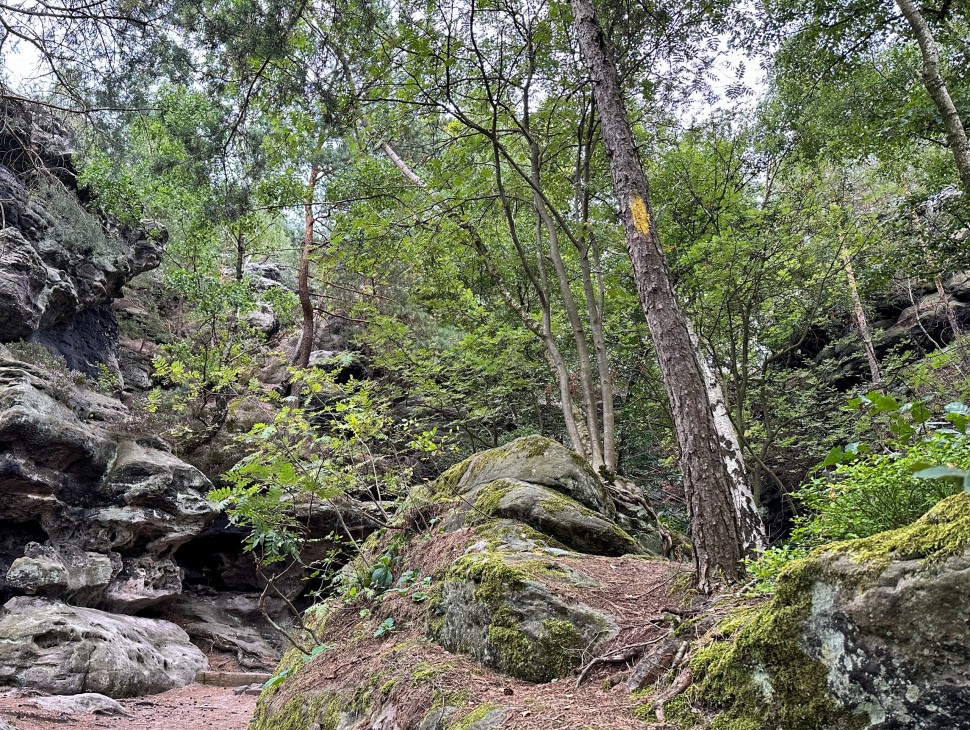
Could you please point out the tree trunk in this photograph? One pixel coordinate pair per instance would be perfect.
(956, 134)
(302, 356)
(750, 526)
(709, 487)
(861, 322)
(594, 304)
(572, 315)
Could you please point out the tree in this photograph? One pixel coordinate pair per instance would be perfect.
(829, 50)
(719, 530)
(956, 134)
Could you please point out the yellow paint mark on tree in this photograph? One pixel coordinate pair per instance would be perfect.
(641, 218)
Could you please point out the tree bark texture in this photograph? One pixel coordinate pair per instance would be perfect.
(718, 544)
(956, 134)
(302, 356)
(750, 526)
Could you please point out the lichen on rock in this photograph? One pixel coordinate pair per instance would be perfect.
(862, 635)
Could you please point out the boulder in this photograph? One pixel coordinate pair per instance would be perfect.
(868, 635)
(109, 510)
(503, 608)
(556, 490)
(263, 318)
(534, 460)
(60, 649)
(80, 704)
(554, 514)
(497, 579)
(230, 623)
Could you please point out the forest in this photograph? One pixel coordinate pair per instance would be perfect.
(617, 350)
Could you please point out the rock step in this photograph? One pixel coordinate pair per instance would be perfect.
(231, 679)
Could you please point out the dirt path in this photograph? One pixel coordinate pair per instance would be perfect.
(196, 707)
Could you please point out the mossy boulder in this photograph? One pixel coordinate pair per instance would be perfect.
(503, 609)
(868, 634)
(553, 514)
(545, 485)
(525, 574)
(534, 460)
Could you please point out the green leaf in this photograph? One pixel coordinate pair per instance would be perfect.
(942, 472)
(835, 456)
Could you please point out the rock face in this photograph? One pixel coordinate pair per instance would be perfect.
(99, 514)
(59, 264)
(229, 622)
(526, 575)
(871, 635)
(62, 649)
(533, 477)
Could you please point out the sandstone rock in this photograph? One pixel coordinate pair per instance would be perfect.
(871, 635)
(229, 622)
(262, 319)
(510, 596)
(23, 278)
(502, 609)
(110, 510)
(548, 465)
(60, 649)
(4, 725)
(80, 704)
(263, 276)
(553, 514)
(57, 260)
(69, 572)
(535, 460)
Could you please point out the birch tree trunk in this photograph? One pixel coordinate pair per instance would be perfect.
(301, 357)
(859, 314)
(709, 487)
(956, 134)
(750, 526)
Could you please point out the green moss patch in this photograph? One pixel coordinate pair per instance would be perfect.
(758, 675)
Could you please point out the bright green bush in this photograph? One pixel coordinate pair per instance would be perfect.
(861, 489)
(878, 492)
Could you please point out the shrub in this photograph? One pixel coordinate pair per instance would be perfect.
(878, 492)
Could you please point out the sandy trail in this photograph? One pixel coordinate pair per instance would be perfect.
(195, 707)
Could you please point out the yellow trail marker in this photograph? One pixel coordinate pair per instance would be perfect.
(641, 218)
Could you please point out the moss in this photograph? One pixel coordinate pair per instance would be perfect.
(447, 483)
(479, 713)
(559, 503)
(496, 533)
(760, 677)
(536, 446)
(552, 654)
(298, 713)
(530, 446)
(424, 672)
(559, 642)
(681, 713)
(489, 496)
(492, 574)
(941, 533)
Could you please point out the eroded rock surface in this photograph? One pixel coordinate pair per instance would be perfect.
(61, 649)
(59, 264)
(105, 511)
(871, 635)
